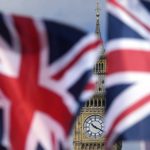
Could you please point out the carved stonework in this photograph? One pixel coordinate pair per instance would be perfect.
(88, 130)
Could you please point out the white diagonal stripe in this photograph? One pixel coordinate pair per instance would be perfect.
(67, 58)
(129, 121)
(128, 43)
(126, 78)
(80, 67)
(126, 99)
(126, 19)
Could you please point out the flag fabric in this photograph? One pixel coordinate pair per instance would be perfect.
(144, 145)
(45, 77)
(128, 71)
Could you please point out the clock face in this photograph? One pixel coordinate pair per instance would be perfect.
(94, 126)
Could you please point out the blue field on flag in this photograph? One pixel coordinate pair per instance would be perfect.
(128, 71)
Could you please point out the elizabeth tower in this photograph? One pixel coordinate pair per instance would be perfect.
(89, 127)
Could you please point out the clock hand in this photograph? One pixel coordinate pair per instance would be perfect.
(96, 127)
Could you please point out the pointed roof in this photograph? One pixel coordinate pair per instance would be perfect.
(97, 30)
(97, 19)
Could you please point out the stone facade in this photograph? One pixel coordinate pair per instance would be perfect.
(88, 130)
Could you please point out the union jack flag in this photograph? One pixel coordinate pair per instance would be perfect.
(128, 71)
(45, 76)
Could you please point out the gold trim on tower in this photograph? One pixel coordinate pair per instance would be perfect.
(88, 130)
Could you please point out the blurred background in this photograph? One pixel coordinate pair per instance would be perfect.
(78, 13)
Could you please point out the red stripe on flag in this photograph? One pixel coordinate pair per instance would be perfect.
(22, 111)
(125, 114)
(116, 4)
(128, 60)
(90, 86)
(27, 33)
(43, 99)
(90, 47)
(32, 97)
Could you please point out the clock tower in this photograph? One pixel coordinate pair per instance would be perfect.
(89, 127)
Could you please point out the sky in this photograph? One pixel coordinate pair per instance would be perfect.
(80, 13)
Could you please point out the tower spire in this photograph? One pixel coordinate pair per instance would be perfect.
(97, 19)
(97, 31)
